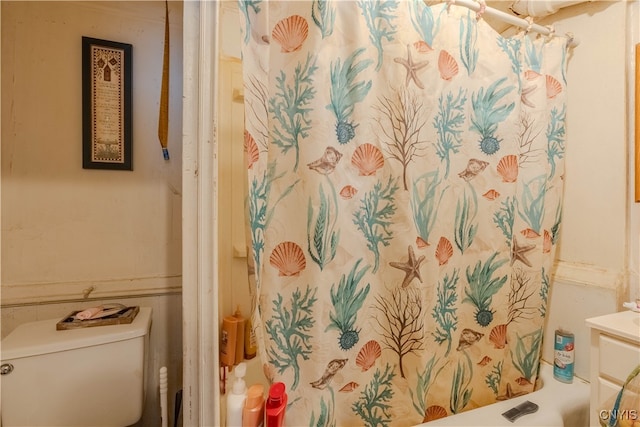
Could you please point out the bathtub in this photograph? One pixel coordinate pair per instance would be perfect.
(559, 404)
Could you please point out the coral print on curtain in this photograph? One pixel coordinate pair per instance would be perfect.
(405, 168)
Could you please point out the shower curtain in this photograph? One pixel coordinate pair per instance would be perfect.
(405, 167)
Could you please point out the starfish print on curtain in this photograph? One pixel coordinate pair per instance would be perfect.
(412, 68)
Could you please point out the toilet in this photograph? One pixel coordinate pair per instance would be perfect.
(92, 376)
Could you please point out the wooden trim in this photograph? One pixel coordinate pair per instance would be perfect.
(637, 125)
(201, 383)
(45, 293)
(587, 275)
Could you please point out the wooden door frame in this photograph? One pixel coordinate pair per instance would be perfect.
(201, 383)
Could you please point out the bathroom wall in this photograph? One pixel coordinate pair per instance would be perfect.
(633, 39)
(74, 237)
(598, 256)
(597, 260)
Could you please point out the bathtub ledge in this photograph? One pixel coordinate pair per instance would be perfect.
(560, 405)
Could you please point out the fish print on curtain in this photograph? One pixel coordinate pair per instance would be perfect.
(405, 168)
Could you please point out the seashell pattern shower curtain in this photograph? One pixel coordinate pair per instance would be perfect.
(405, 168)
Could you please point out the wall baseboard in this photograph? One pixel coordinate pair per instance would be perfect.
(44, 293)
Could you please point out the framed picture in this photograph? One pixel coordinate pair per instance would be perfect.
(106, 105)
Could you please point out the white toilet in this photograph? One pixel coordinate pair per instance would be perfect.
(85, 377)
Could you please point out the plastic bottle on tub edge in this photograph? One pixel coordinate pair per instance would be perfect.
(235, 399)
(276, 405)
(253, 412)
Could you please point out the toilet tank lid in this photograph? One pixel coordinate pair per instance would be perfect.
(41, 337)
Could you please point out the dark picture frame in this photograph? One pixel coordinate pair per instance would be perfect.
(106, 104)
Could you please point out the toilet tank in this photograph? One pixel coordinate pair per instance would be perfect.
(91, 376)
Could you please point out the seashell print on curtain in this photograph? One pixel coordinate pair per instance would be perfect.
(405, 169)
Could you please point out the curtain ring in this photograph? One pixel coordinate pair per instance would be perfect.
(480, 12)
(529, 20)
(449, 4)
(552, 31)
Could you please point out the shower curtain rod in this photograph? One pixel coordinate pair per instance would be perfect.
(510, 19)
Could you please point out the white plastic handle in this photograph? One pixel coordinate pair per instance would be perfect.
(163, 396)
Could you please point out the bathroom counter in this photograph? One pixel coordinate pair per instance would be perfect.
(625, 324)
(615, 352)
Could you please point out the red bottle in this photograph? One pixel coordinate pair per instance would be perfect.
(276, 405)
